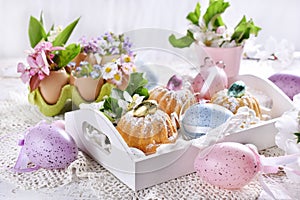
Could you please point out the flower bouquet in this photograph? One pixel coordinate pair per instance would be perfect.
(105, 59)
(219, 41)
(89, 78)
(46, 61)
(104, 48)
(288, 136)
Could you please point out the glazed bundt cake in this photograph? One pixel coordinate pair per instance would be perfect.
(235, 97)
(172, 101)
(146, 127)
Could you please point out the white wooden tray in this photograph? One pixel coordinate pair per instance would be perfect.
(96, 135)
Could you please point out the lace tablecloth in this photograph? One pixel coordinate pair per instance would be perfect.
(85, 178)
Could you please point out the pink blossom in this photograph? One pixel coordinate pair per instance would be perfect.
(38, 61)
(25, 73)
(47, 47)
(220, 30)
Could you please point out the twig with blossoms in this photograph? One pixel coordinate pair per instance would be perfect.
(210, 30)
(40, 62)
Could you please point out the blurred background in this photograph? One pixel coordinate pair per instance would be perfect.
(279, 18)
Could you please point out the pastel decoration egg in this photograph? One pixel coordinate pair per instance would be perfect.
(175, 83)
(228, 165)
(202, 117)
(49, 146)
(288, 83)
(209, 81)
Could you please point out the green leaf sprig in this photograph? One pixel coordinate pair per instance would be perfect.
(136, 85)
(210, 21)
(37, 32)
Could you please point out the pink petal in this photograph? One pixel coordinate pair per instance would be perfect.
(25, 77)
(21, 68)
(40, 60)
(46, 70)
(41, 75)
(57, 48)
(31, 61)
(33, 71)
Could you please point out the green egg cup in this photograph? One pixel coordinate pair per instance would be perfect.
(69, 95)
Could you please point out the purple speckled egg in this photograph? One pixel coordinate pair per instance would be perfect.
(228, 165)
(288, 83)
(50, 147)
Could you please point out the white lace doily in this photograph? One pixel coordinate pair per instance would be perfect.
(85, 178)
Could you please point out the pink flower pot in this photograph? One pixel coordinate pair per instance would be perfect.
(230, 56)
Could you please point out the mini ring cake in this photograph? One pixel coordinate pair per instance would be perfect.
(146, 127)
(235, 97)
(173, 97)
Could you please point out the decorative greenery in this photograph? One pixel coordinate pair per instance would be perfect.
(119, 102)
(48, 51)
(211, 29)
(37, 32)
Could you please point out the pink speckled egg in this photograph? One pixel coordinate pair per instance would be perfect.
(49, 146)
(209, 81)
(228, 165)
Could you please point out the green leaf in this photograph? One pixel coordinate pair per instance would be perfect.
(63, 57)
(63, 37)
(182, 42)
(111, 105)
(36, 31)
(136, 80)
(42, 18)
(298, 137)
(194, 16)
(213, 12)
(243, 30)
(142, 92)
(117, 93)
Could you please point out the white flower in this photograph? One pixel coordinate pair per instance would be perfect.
(117, 78)
(109, 70)
(53, 33)
(129, 103)
(287, 125)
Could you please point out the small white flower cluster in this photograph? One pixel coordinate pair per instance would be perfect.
(219, 38)
(280, 52)
(287, 125)
(116, 69)
(53, 33)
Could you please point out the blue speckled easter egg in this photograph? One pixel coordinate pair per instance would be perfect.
(200, 118)
(50, 147)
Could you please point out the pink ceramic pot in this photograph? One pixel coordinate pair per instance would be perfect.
(230, 56)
